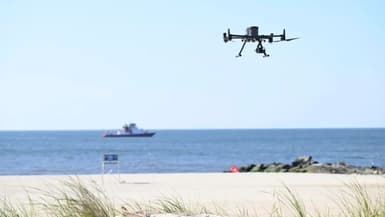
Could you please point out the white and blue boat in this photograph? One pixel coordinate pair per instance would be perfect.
(130, 130)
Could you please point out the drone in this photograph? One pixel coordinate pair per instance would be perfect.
(252, 35)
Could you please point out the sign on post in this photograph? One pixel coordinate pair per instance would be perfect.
(110, 159)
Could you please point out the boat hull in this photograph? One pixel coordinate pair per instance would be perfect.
(129, 135)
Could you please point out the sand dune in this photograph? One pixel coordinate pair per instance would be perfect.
(231, 191)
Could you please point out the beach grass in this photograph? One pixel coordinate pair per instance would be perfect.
(354, 202)
(292, 201)
(169, 205)
(76, 199)
(358, 203)
(10, 210)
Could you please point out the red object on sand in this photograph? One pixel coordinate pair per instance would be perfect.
(234, 169)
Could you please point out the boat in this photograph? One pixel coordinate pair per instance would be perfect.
(130, 130)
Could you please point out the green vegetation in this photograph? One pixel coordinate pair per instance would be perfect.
(292, 201)
(74, 199)
(357, 203)
(9, 210)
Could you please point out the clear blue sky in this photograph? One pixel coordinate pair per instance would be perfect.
(163, 64)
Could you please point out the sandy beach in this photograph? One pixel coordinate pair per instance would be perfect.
(256, 192)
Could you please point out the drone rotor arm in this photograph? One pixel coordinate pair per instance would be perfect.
(238, 36)
(266, 36)
(230, 37)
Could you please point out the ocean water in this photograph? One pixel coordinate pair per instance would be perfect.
(80, 152)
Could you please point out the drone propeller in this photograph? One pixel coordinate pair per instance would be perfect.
(291, 39)
(283, 37)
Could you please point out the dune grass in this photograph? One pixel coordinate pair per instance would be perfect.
(292, 201)
(75, 199)
(354, 202)
(10, 210)
(169, 205)
(358, 203)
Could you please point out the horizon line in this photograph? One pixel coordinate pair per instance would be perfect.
(176, 129)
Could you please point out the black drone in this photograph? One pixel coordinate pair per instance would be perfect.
(252, 35)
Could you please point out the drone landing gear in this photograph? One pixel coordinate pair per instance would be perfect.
(266, 55)
(240, 52)
(262, 50)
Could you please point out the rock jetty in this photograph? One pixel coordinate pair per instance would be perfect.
(306, 164)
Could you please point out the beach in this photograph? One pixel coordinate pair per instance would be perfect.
(256, 192)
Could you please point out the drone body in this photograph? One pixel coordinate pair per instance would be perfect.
(252, 35)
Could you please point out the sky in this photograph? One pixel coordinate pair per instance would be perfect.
(97, 64)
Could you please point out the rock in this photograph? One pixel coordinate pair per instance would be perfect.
(271, 169)
(297, 170)
(338, 169)
(306, 164)
(286, 167)
(302, 161)
(314, 169)
(277, 167)
(247, 168)
(258, 168)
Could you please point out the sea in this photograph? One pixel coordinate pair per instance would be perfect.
(176, 151)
